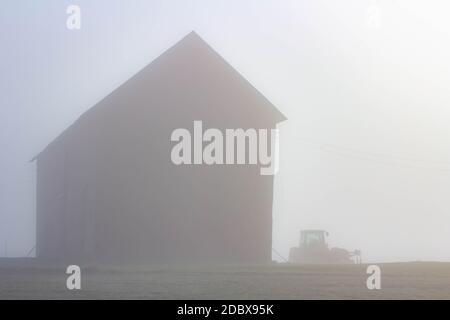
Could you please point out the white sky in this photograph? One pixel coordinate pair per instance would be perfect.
(365, 153)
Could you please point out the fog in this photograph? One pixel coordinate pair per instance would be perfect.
(364, 153)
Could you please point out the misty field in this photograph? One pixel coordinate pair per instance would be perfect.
(419, 280)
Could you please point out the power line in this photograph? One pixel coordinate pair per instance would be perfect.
(389, 159)
(279, 255)
(31, 251)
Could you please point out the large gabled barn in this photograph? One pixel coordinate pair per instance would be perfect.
(108, 192)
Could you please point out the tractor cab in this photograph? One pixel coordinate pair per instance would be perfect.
(313, 238)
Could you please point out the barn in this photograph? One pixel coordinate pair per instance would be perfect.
(108, 192)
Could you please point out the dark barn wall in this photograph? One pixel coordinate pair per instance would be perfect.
(124, 201)
(50, 201)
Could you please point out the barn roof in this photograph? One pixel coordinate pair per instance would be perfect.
(190, 44)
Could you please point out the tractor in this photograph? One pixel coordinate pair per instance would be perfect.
(314, 249)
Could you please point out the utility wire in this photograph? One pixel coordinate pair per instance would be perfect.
(389, 159)
(279, 255)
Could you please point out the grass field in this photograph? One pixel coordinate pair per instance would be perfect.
(419, 280)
